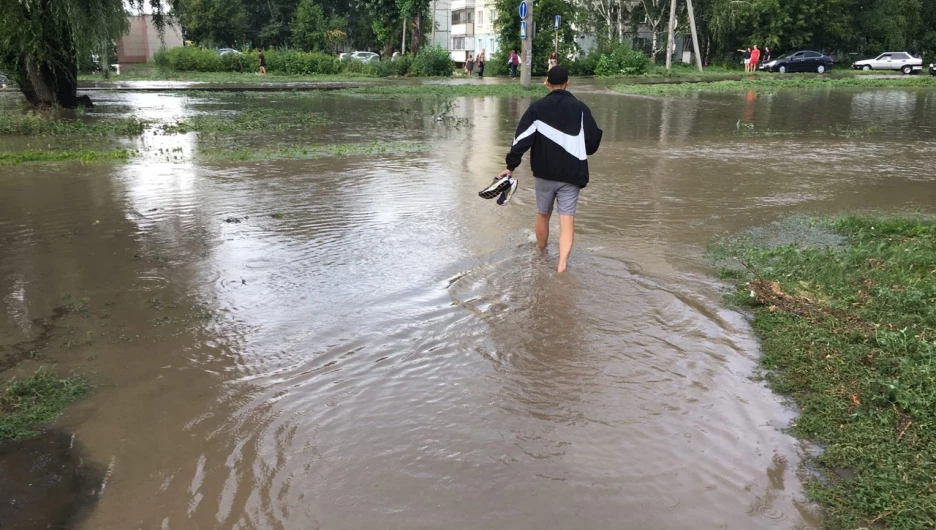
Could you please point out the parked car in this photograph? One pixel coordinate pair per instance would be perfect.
(3, 80)
(932, 68)
(902, 61)
(801, 61)
(225, 51)
(364, 57)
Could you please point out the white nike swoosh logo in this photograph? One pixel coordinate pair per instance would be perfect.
(574, 145)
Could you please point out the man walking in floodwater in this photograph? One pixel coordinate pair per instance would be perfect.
(561, 133)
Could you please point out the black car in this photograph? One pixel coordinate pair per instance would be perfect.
(801, 61)
(932, 68)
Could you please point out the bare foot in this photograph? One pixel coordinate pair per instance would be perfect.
(562, 267)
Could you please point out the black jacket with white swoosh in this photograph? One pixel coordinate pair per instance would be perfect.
(562, 133)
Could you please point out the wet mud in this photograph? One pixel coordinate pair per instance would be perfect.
(45, 483)
(373, 346)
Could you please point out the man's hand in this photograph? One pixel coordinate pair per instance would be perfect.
(505, 173)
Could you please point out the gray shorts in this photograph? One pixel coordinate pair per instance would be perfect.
(550, 191)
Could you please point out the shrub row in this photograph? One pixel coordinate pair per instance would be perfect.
(611, 60)
(430, 61)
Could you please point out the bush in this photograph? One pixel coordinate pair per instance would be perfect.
(497, 63)
(586, 64)
(622, 61)
(286, 62)
(400, 66)
(433, 61)
(353, 66)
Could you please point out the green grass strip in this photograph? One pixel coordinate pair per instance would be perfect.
(80, 155)
(848, 330)
(763, 82)
(470, 89)
(36, 400)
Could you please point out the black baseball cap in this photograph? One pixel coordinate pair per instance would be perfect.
(557, 76)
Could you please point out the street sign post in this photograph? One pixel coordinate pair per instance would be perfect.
(556, 21)
(526, 45)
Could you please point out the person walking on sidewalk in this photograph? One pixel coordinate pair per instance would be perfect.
(560, 133)
(479, 62)
(513, 61)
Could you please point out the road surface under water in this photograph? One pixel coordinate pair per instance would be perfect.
(390, 351)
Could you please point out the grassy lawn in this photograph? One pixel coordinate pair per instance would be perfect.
(35, 400)
(848, 331)
(148, 72)
(83, 156)
(468, 89)
(769, 82)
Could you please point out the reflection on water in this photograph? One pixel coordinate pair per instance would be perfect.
(390, 351)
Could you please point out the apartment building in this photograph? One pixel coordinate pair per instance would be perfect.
(485, 34)
(463, 33)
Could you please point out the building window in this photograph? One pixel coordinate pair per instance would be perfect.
(462, 16)
(491, 16)
(458, 43)
(480, 17)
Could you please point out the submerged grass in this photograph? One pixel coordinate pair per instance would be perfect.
(247, 120)
(47, 124)
(83, 156)
(36, 400)
(776, 82)
(848, 329)
(304, 152)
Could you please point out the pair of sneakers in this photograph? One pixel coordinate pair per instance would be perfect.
(503, 188)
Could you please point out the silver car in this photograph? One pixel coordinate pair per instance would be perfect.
(901, 61)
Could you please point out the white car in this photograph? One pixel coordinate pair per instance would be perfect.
(225, 51)
(364, 57)
(902, 61)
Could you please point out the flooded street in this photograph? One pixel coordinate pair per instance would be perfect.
(356, 342)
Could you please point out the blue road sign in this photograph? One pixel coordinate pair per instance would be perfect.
(523, 9)
(523, 30)
(556, 23)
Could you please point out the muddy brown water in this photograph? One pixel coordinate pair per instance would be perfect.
(392, 352)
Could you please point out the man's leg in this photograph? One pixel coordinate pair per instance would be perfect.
(545, 197)
(566, 237)
(542, 229)
(566, 202)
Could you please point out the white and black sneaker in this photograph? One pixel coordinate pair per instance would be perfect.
(508, 193)
(504, 186)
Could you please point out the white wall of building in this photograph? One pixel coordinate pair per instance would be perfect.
(442, 13)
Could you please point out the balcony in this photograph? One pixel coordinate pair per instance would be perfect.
(466, 30)
(458, 5)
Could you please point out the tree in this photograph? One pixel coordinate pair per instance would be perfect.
(41, 41)
(313, 31)
(214, 22)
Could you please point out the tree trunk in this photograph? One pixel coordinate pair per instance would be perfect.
(416, 30)
(44, 84)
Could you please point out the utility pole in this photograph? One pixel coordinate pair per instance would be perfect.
(670, 37)
(695, 37)
(526, 43)
(433, 21)
(403, 51)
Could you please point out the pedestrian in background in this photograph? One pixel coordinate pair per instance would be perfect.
(553, 61)
(480, 63)
(262, 62)
(469, 65)
(755, 58)
(766, 54)
(513, 61)
(747, 60)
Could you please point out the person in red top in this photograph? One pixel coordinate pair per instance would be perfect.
(755, 57)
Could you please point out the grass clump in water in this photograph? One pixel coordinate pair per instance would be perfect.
(849, 331)
(84, 156)
(46, 124)
(36, 400)
(764, 82)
